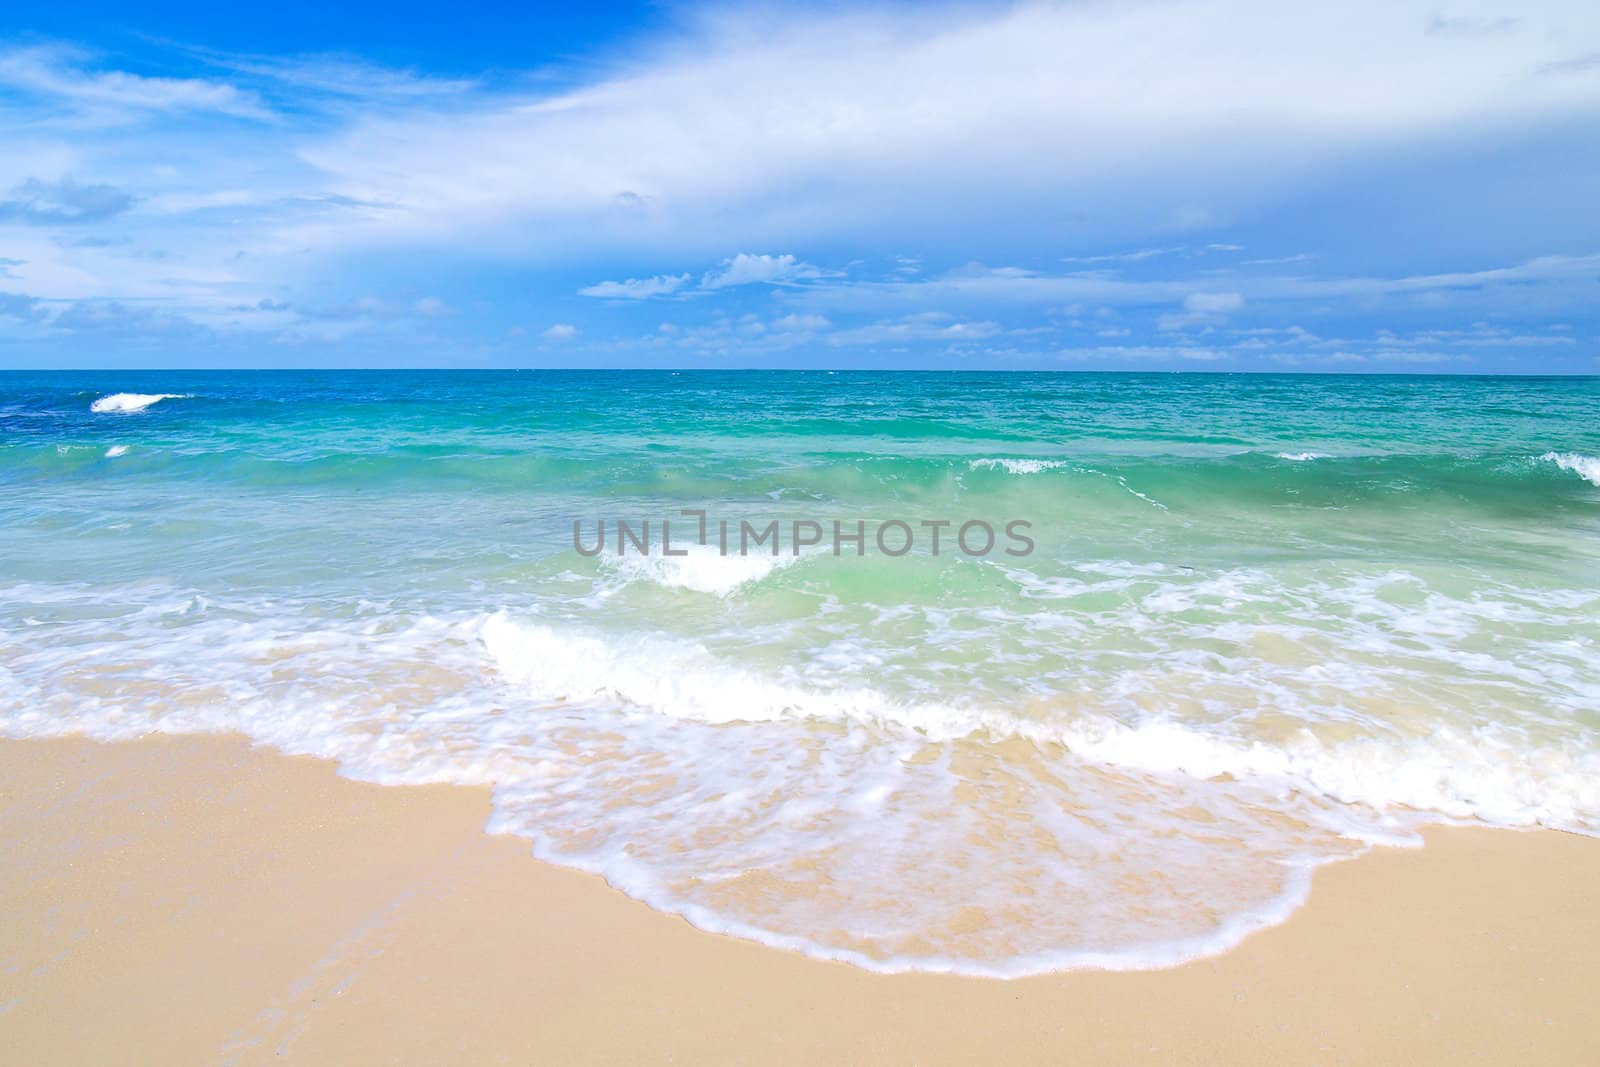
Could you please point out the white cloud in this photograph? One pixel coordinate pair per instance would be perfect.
(561, 331)
(1024, 131)
(1012, 110)
(743, 337)
(742, 269)
(988, 288)
(1275, 261)
(343, 76)
(65, 202)
(801, 323)
(1142, 353)
(1479, 335)
(929, 326)
(60, 75)
(746, 269)
(637, 288)
(1202, 309)
(1212, 303)
(1136, 256)
(183, 203)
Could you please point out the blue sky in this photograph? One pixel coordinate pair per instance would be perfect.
(1201, 185)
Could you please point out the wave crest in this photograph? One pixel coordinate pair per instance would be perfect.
(1017, 466)
(1585, 467)
(1457, 774)
(128, 403)
(703, 570)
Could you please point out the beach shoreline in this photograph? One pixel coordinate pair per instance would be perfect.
(199, 899)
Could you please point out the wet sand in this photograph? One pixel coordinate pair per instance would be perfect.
(198, 900)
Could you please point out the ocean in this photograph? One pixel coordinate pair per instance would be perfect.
(1222, 629)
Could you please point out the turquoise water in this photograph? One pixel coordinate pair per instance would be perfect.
(1266, 622)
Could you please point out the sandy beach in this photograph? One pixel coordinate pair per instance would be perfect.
(199, 900)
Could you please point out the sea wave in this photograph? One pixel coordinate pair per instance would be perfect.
(1493, 772)
(1125, 750)
(1490, 774)
(128, 403)
(677, 767)
(702, 569)
(1585, 467)
(832, 843)
(679, 679)
(1016, 466)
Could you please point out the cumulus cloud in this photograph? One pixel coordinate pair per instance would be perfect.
(1202, 309)
(746, 269)
(801, 323)
(561, 331)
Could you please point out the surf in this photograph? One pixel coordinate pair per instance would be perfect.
(131, 403)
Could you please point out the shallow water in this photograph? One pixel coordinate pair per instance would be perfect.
(1267, 620)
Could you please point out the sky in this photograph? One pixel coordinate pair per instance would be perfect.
(1201, 185)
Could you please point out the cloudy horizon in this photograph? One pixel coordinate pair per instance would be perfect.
(1207, 185)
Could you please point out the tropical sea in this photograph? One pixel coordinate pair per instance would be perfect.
(1262, 623)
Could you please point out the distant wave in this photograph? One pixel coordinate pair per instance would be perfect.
(127, 403)
(1017, 466)
(1585, 467)
(116, 450)
(1303, 457)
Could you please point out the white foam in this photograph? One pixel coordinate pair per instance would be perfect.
(1154, 954)
(683, 680)
(848, 757)
(128, 403)
(1464, 776)
(678, 812)
(1507, 779)
(1302, 457)
(704, 569)
(1017, 466)
(116, 450)
(1585, 467)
